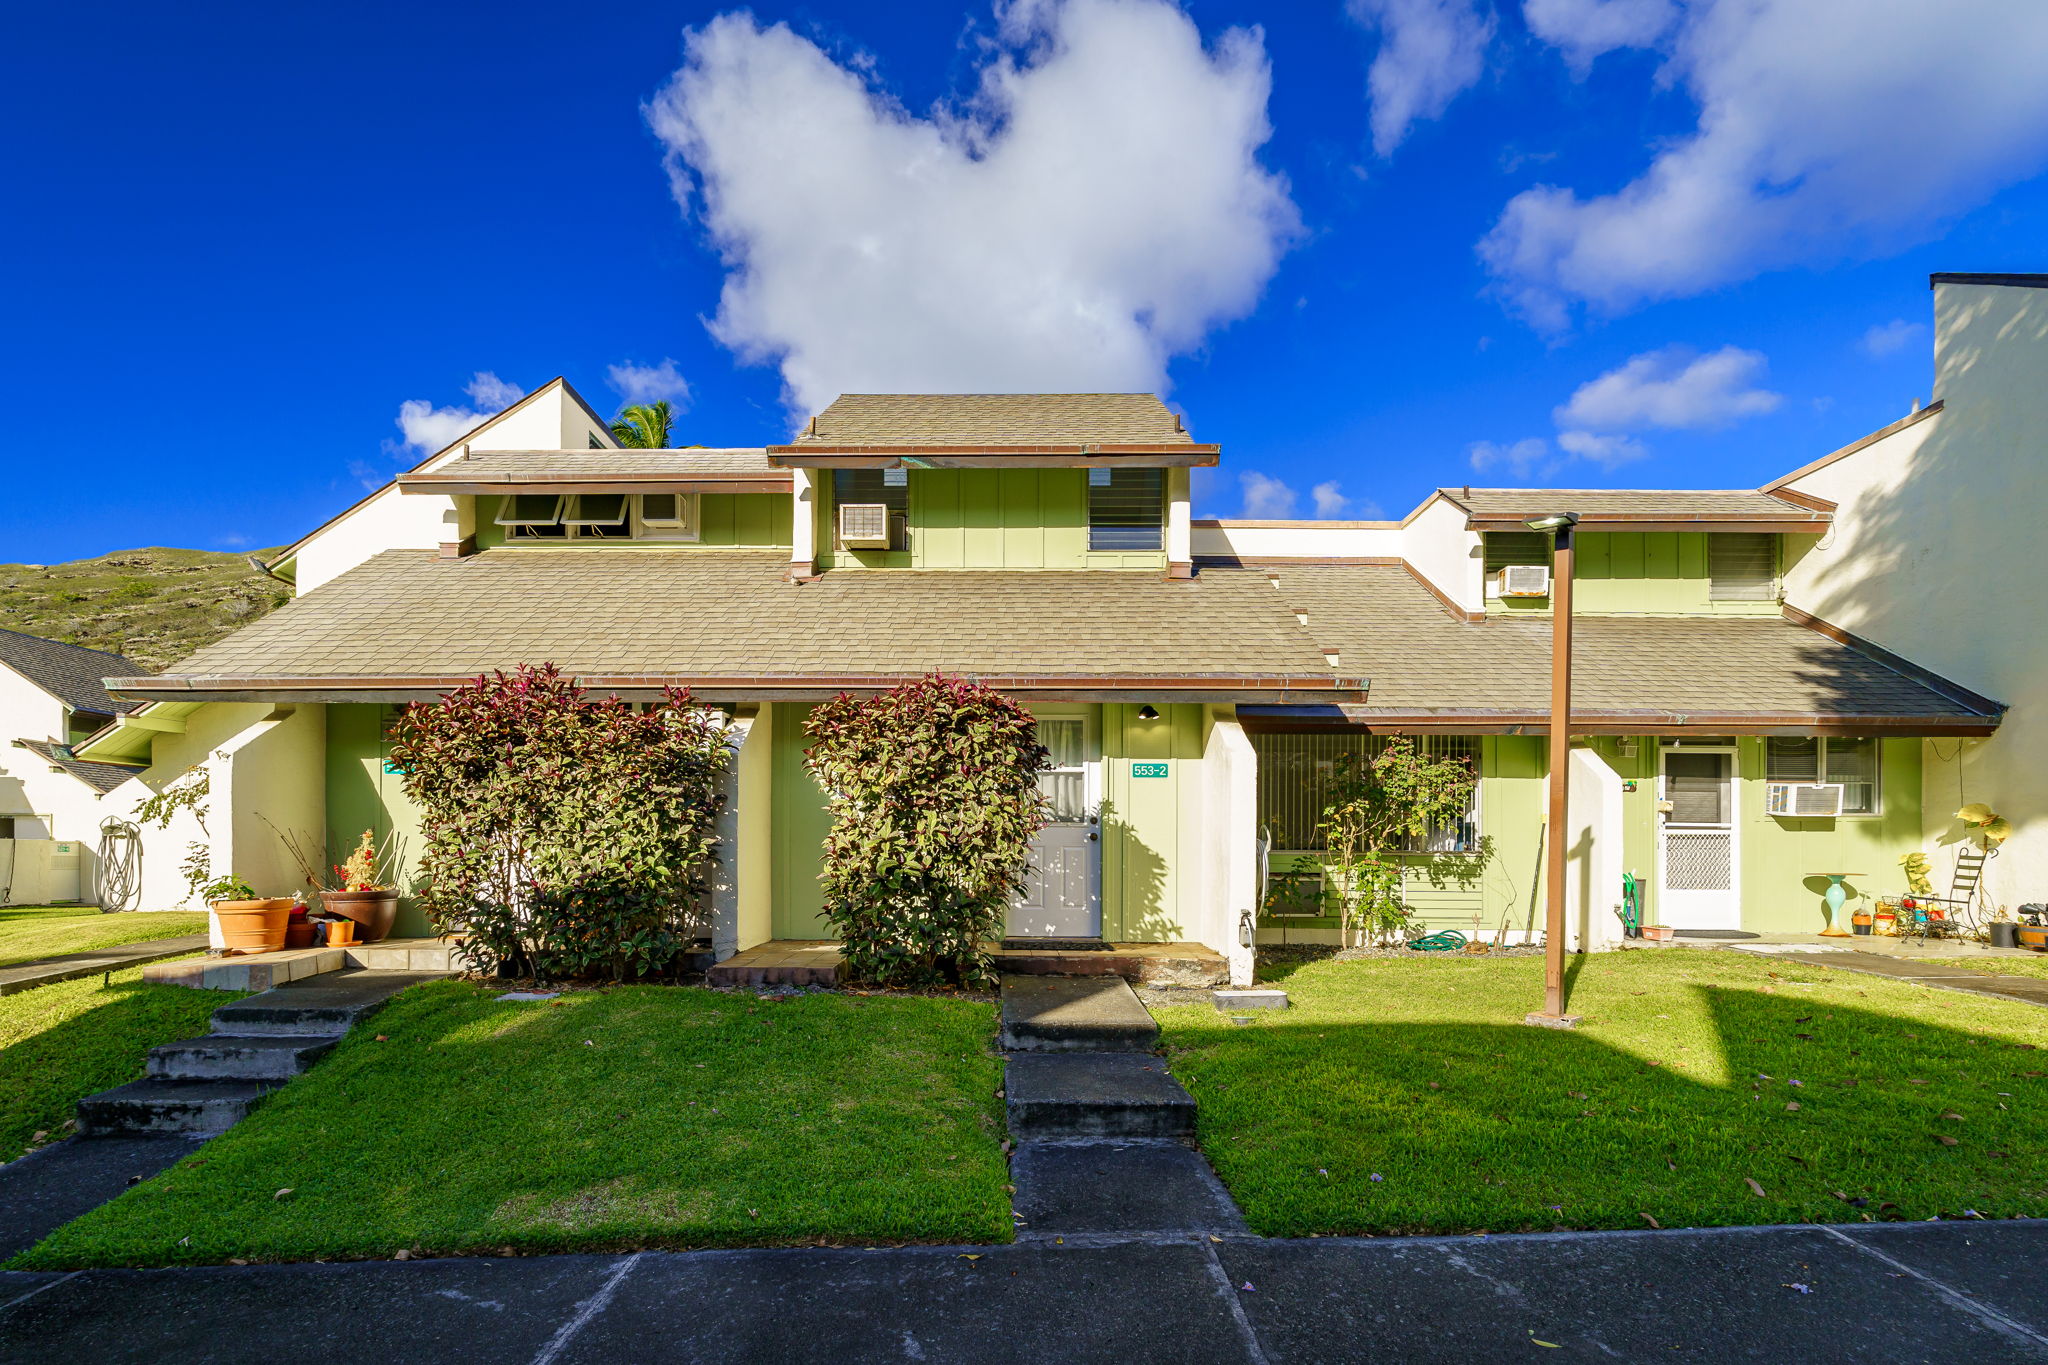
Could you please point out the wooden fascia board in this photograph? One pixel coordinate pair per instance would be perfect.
(623, 483)
(1792, 525)
(811, 456)
(1612, 723)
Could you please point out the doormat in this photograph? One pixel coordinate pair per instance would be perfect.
(1055, 945)
(1716, 933)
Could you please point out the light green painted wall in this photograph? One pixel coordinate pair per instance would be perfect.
(1655, 573)
(801, 823)
(1780, 859)
(361, 795)
(987, 519)
(729, 521)
(1151, 826)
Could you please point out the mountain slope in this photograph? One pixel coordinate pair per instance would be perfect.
(155, 606)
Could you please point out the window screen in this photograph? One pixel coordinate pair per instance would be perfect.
(1853, 763)
(871, 485)
(1742, 567)
(1792, 760)
(1127, 511)
(1697, 786)
(1294, 782)
(1504, 548)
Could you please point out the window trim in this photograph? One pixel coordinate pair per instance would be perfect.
(1157, 527)
(1821, 777)
(688, 527)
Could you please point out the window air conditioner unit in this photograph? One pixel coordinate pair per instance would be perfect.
(1807, 800)
(1523, 580)
(864, 525)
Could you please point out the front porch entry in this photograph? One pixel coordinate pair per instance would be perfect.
(1698, 847)
(1062, 896)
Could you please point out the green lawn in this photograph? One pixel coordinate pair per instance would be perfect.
(1997, 966)
(28, 932)
(635, 1117)
(1407, 1096)
(60, 1043)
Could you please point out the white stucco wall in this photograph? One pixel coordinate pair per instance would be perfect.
(1937, 554)
(1297, 540)
(1229, 814)
(1437, 546)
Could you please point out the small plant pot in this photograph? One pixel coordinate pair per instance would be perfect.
(1658, 933)
(2027, 936)
(372, 911)
(301, 933)
(2004, 934)
(252, 926)
(340, 932)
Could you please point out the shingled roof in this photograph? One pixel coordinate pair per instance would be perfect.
(101, 777)
(994, 419)
(1491, 508)
(727, 622)
(742, 469)
(70, 673)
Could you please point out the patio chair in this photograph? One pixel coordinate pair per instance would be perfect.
(1959, 905)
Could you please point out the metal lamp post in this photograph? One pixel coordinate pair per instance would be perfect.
(1560, 526)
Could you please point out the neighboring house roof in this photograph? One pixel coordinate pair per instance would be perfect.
(994, 419)
(1663, 671)
(70, 673)
(604, 471)
(728, 623)
(101, 777)
(1493, 509)
(727, 619)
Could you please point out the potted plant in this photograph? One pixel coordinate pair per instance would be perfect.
(1860, 922)
(2003, 931)
(362, 898)
(1658, 933)
(248, 923)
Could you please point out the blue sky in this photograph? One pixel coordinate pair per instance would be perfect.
(241, 237)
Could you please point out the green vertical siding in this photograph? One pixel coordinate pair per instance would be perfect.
(801, 823)
(727, 521)
(1151, 838)
(361, 795)
(1652, 573)
(987, 519)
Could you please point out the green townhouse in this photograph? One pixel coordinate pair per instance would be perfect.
(1194, 679)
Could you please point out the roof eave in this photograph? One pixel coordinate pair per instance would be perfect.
(1608, 722)
(445, 484)
(1171, 454)
(1813, 523)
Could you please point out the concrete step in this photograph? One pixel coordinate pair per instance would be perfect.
(154, 1105)
(1074, 1014)
(323, 1005)
(1132, 1186)
(226, 1057)
(1095, 1094)
(1161, 966)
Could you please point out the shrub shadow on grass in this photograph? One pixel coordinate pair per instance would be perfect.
(1419, 1127)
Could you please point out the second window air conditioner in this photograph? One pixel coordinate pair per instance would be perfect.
(1523, 580)
(864, 525)
(1809, 800)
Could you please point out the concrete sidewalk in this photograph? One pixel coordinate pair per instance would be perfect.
(1880, 1292)
(47, 971)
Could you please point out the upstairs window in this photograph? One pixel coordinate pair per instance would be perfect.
(1742, 567)
(599, 516)
(1504, 549)
(666, 516)
(890, 487)
(1851, 762)
(533, 516)
(1126, 509)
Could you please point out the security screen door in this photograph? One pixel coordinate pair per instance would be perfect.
(1697, 869)
(1062, 896)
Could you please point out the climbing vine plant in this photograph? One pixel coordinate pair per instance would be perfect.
(564, 836)
(189, 791)
(934, 793)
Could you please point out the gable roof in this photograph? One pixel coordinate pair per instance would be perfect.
(101, 777)
(994, 419)
(693, 470)
(1636, 509)
(70, 673)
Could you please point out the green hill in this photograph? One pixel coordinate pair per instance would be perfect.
(155, 606)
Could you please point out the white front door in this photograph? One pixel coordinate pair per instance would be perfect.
(1062, 896)
(1697, 864)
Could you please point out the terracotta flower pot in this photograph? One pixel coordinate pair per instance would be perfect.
(1658, 933)
(252, 926)
(340, 932)
(372, 911)
(301, 933)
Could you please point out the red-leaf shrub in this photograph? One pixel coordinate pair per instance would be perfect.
(564, 836)
(934, 793)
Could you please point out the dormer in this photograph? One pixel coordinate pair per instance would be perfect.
(993, 481)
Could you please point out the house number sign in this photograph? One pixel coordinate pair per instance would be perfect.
(1148, 770)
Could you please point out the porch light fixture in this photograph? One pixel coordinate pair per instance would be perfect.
(1560, 526)
(1148, 712)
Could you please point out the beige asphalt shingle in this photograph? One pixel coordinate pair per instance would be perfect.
(993, 419)
(505, 465)
(1732, 504)
(728, 612)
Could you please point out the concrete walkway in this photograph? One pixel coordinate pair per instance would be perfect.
(1879, 1292)
(1942, 975)
(70, 966)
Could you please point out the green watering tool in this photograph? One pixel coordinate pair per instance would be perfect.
(1631, 905)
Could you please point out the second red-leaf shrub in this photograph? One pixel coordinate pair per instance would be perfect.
(934, 793)
(565, 836)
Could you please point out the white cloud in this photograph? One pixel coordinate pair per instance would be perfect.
(1606, 451)
(650, 383)
(1430, 51)
(1525, 459)
(1330, 503)
(1095, 208)
(1583, 29)
(1825, 128)
(1890, 338)
(1265, 497)
(1672, 387)
(428, 428)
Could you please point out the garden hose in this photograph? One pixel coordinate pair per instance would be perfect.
(1444, 941)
